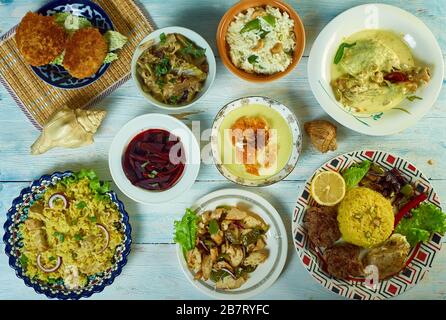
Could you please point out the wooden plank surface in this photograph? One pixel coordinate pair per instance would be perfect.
(153, 271)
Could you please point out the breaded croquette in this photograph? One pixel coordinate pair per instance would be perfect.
(40, 39)
(85, 53)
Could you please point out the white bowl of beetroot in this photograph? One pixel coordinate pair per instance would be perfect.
(154, 158)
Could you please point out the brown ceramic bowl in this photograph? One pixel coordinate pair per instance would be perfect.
(223, 47)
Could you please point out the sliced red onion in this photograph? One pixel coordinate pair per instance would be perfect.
(203, 245)
(107, 236)
(230, 272)
(58, 196)
(49, 270)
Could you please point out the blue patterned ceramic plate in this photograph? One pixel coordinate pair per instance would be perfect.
(17, 214)
(57, 76)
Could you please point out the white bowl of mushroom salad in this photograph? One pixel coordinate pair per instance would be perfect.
(232, 244)
(173, 67)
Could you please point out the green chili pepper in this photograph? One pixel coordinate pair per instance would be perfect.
(340, 52)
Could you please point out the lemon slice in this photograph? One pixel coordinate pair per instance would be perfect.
(328, 188)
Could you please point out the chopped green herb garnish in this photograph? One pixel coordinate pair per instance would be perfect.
(52, 258)
(271, 20)
(59, 236)
(251, 25)
(213, 227)
(163, 67)
(413, 98)
(163, 38)
(194, 51)
(78, 237)
(152, 174)
(160, 82)
(263, 33)
(145, 164)
(253, 59)
(81, 205)
(173, 99)
(93, 219)
(23, 260)
(340, 52)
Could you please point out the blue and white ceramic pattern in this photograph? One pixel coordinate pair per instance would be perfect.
(18, 213)
(57, 76)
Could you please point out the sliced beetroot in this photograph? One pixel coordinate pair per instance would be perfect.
(147, 162)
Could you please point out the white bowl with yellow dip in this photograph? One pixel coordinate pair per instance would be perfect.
(388, 75)
(256, 141)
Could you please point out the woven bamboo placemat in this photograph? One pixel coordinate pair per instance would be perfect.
(39, 100)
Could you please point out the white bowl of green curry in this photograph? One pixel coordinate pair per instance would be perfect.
(376, 69)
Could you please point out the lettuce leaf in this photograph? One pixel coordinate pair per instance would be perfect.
(111, 56)
(356, 173)
(59, 59)
(186, 230)
(99, 188)
(115, 40)
(71, 22)
(425, 220)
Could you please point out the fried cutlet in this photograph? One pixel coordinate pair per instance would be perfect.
(40, 39)
(85, 53)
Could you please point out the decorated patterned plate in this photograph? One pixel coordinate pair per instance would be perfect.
(419, 260)
(415, 34)
(18, 214)
(285, 129)
(56, 75)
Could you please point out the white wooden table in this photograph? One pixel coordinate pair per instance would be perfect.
(152, 271)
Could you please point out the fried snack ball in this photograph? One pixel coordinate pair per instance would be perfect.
(40, 39)
(85, 53)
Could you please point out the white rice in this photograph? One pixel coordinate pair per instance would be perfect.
(242, 44)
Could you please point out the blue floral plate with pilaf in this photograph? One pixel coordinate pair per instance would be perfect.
(56, 75)
(18, 213)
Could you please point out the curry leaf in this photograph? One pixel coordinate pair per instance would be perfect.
(253, 59)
